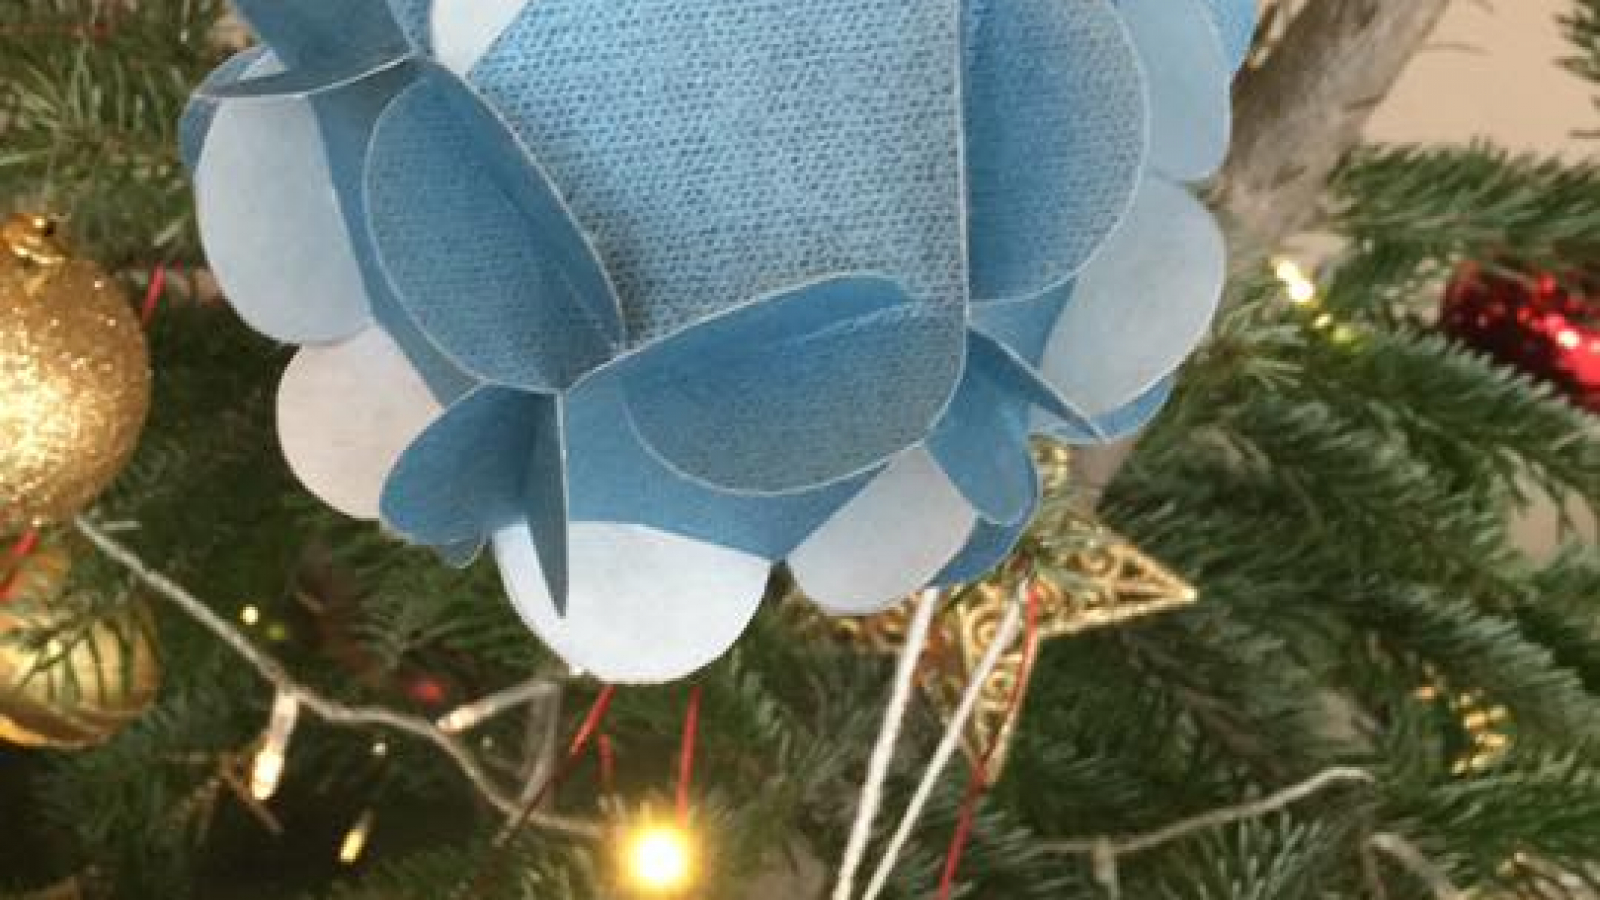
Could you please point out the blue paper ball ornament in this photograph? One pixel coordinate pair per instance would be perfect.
(650, 296)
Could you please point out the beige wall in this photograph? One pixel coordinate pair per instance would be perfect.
(1491, 71)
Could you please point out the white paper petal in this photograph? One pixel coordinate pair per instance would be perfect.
(1142, 305)
(345, 413)
(891, 540)
(643, 607)
(1190, 77)
(272, 226)
(464, 30)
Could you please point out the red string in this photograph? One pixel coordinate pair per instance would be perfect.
(979, 784)
(21, 550)
(691, 728)
(152, 297)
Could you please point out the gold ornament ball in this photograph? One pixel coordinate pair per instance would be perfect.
(74, 375)
(74, 690)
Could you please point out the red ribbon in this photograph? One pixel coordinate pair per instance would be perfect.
(152, 296)
(691, 728)
(21, 550)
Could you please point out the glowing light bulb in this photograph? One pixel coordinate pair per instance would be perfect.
(250, 615)
(658, 859)
(354, 844)
(1569, 339)
(1301, 288)
(267, 769)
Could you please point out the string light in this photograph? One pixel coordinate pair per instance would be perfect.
(1301, 289)
(267, 770)
(659, 859)
(354, 845)
(250, 615)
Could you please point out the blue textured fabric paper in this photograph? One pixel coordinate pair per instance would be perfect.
(202, 108)
(720, 283)
(982, 442)
(799, 389)
(1055, 140)
(454, 202)
(723, 150)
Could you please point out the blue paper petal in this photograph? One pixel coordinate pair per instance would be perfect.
(1189, 81)
(412, 17)
(1236, 21)
(1112, 426)
(721, 150)
(479, 247)
(198, 115)
(989, 546)
(273, 224)
(982, 442)
(314, 32)
(304, 81)
(1142, 306)
(477, 469)
(1023, 326)
(799, 389)
(614, 478)
(1056, 138)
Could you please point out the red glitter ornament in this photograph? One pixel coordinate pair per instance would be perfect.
(1543, 324)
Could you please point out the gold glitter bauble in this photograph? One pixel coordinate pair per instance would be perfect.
(77, 688)
(74, 375)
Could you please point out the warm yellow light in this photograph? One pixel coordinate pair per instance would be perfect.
(250, 615)
(658, 859)
(265, 774)
(1301, 288)
(354, 844)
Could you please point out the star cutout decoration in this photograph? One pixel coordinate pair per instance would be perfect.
(1098, 579)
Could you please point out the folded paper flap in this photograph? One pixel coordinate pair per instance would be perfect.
(615, 478)
(201, 110)
(799, 389)
(479, 248)
(982, 441)
(1111, 426)
(316, 32)
(1143, 305)
(273, 223)
(468, 474)
(724, 149)
(306, 80)
(1056, 136)
(1189, 80)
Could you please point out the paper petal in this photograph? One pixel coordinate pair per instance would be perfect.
(721, 150)
(198, 115)
(272, 225)
(305, 81)
(1236, 21)
(478, 246)
(1056, 137)
(1108, 427)
(1023, 326)
(1189, 81)
(615, 478)
(345, 414)
(1142, 305)
(472, 471)
(646, 606)
(888, 542)
(988, 546)
(464, 30)
(982, 441)
(412, 17)
(799, 389)
(314, 32)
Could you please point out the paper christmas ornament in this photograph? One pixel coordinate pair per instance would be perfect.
(653, 295)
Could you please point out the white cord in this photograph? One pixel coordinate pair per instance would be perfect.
(888, 735)
(950, 743)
